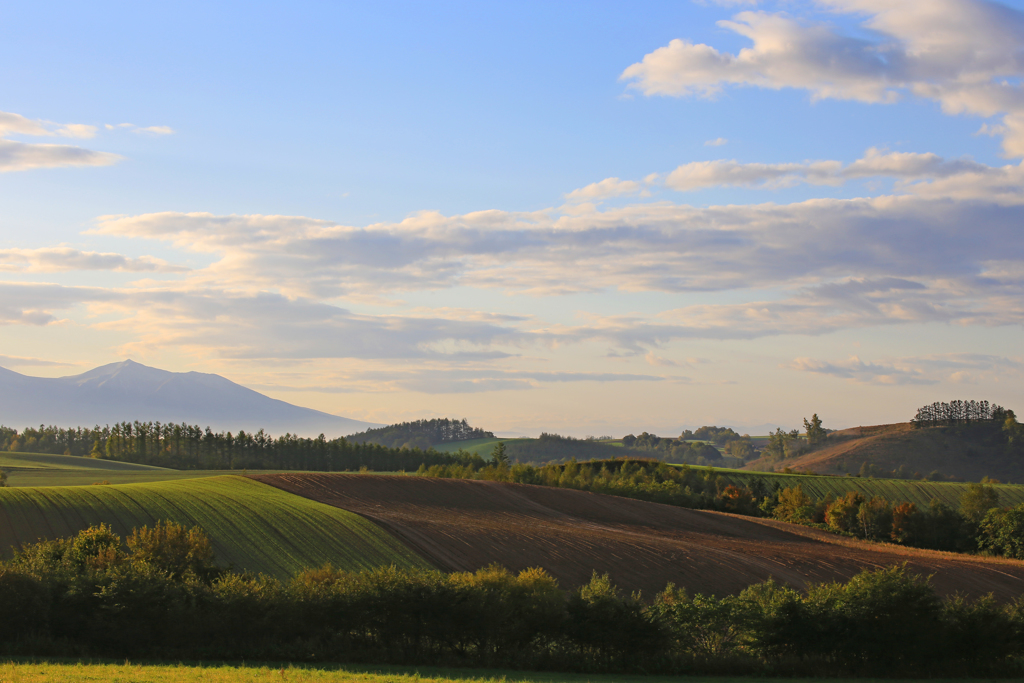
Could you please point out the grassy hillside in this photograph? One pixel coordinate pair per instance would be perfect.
(967, 452)
(918, 492)
(43, 469)
(253, 526)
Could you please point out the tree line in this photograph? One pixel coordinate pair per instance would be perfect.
(159, 594)
(185, 447)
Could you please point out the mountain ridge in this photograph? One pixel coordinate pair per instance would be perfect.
(130, 391)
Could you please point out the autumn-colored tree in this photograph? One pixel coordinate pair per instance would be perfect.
(903, 522)
(842, 514)
(173, 549)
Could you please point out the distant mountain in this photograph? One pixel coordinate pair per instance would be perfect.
(132, 391)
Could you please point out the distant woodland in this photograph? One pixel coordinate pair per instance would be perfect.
(420, 434)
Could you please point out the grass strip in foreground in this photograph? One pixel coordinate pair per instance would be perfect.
(81, 672)
(253, 526)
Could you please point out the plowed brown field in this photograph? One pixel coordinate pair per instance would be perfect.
(461, 525)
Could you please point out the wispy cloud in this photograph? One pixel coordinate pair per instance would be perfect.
(23, 156)
(717, 142)
(22, 361)
(957, 368)
(56, 259)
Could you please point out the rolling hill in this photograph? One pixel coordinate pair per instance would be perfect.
(967, 452)
(464, 525)
(130, 391)
(252, 526)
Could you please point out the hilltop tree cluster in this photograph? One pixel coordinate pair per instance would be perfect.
(160, 595)
(421, 434)
(959, 412)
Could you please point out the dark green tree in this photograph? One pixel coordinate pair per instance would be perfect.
(977, 500)
(816, 434)
(498, 455)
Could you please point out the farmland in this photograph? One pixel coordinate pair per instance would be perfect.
(463, 525)
(914, 491)
(77, 672)
(253, 526)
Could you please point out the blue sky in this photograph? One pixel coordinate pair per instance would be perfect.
(575, 217)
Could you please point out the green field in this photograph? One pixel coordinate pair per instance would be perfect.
(898, 490)
(78, 672)
(253, 526)
(482, 447)
(45, 461)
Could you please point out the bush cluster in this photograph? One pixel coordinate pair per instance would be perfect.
(160, 595)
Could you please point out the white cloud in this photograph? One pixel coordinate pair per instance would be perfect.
(717, 142)
(155, 130)
(606, 189)
(701, 174)
(23, 156)
(964, 54)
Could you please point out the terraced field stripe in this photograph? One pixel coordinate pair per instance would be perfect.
(253, 526)
(918, 492)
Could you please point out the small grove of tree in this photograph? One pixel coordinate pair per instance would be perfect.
(782, 445)
(161, 598)
(716, 435)
(959, 412)
(421, 434)
(3, 478)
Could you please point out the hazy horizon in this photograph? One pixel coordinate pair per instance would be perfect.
(583, 219)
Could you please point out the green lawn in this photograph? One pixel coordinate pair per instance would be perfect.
(78, 672)
(253, 526)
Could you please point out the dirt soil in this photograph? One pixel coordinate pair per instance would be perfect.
(461, 525)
